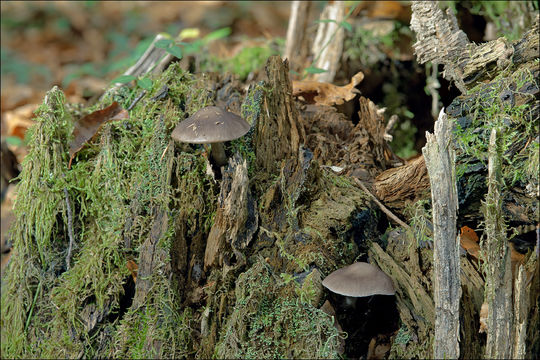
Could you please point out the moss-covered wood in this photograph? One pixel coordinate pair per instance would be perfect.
(138, 197)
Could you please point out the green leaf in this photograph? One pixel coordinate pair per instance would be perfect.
(69, 78)
(194, 47)
(315, 70)
(123, 79)
(145, 83)
(175, 51)
(13, 140)
(218, 34)
(346, 25)
(163, 43)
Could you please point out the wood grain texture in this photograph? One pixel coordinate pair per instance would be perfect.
(440, 162)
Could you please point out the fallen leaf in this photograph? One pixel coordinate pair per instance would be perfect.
(315, 92)
(469, 241)
(133, 267)
(18, 120)
(483, 318)
(87, 128)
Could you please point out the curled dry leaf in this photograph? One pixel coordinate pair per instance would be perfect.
(483, 318)
(133, 267)
(87, 128)
(321, 93)
(18, 120)
(469, 241)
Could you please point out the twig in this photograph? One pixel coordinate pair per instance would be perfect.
(137, 99)
(383, 208)
(70, 229)
(38, 290)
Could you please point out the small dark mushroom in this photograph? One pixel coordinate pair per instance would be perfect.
(211, 125)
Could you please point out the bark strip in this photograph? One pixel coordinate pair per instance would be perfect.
(498, 291)
(439, 158)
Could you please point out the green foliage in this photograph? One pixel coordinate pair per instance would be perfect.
(488, 110)
(420, 217)
(249, 59)
(505, 14)
(23, 70)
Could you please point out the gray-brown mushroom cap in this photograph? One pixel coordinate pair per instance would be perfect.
(210, 125)
(359, 279)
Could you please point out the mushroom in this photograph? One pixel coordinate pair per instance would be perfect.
(211, 125)
(358, 280)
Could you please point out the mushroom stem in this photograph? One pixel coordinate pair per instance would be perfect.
(218, 154)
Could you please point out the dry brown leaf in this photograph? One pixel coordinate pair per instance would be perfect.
(378, 348)
(321, 93)
(89, 126)
(469, 241)
(133, 267)
(18, 120)
(483, 318)
(394, 10)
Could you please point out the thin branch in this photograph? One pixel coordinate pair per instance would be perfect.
(383, 208)
(137, 99)
(70, 229)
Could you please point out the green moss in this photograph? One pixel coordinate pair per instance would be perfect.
(504, 105)
(121, 177)
(267, 323)
(38, 235)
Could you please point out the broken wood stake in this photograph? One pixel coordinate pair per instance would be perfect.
(440, 162)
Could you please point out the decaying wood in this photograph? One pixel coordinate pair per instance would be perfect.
(334, 140)
(405, 184)
(328, 44)
(382, 207)
(440, 162)
(440, 40)
(402, 262)
(472, 288)
(371, 119)
(150, 255)
(521, 310)
(279, 131)
(153, 60)
(297, 42)
(496, 254)
(236, 217)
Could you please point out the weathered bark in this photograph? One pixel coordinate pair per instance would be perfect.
(521, 310)
(406, 265)
(440, 159)
(496, 254)
(403, 185)
(297, 42)
(236, 218)
(472, 287)
(279, 132)
(328, 44)
(440, 40)
(372, 120)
